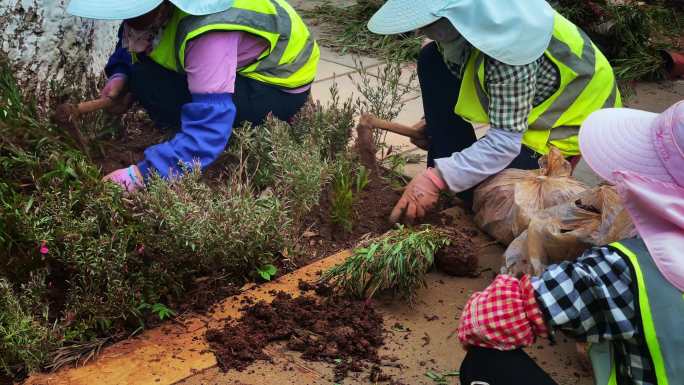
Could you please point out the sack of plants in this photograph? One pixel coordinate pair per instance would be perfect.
(596, 217)
(504, 204)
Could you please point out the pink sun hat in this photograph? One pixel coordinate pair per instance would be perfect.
(648, 144)
(642, 153)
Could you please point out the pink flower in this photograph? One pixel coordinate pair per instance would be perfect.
(140, 249)
(43, 247)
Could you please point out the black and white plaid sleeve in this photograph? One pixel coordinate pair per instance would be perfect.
(593, 299)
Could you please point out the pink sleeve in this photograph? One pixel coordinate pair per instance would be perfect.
(211, 62)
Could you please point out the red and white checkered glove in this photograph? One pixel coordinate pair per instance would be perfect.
(505, 316)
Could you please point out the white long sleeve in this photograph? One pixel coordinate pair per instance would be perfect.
(486, 157)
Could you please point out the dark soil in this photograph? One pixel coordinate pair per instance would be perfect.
(371, 209)
(203, 294)
(459, 258)
(335, 330)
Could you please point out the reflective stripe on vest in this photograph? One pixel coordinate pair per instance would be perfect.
(291, 60)
(661, 307)
(587, 84)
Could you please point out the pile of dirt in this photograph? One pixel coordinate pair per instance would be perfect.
(335, 330)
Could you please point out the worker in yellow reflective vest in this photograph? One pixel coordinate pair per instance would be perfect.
(202, 66)
(517, 66)
(625, 299)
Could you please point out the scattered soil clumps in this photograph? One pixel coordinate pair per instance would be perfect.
(347, 333)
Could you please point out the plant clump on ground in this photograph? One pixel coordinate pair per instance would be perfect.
(632, 34)
(397, 261)
(345, 31)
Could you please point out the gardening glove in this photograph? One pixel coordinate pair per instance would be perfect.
(420, 196)
(129, 178)
(115, 89)
(504, 316)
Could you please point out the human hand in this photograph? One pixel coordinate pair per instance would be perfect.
(115, 89)
(504, 316)
(129, 178)
(419, 197)
(422, 143)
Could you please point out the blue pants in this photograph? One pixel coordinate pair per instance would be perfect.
(163, 93)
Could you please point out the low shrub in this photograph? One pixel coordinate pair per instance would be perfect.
(25, 341)
(83, 263)
(197, 230)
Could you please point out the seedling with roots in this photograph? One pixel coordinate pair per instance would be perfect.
(349, 179)
(397, 261)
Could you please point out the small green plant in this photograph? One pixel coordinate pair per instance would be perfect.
(361, 179)
(394, 164)
(24, 340)
(383, 94)
(267, 272)
(159, 309)
(341, 211)
(397, 261)
(349, 179)
(441, 378)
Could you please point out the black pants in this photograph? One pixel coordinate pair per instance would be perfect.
(493, 367)
(163, 93)
(448, 132)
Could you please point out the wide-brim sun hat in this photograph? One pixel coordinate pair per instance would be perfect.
(510, 31)
(128, 9)
(644, 143)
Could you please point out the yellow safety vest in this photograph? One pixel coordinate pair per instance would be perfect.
(587, 84)
(290, 61)
(661, 309)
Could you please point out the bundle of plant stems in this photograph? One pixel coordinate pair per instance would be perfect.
(397, 261)
(632, 34)
(346, 31)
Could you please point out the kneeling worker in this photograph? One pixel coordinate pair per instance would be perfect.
(202, 66)
(518, 66)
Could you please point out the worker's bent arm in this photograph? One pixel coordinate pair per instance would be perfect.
(206, 125)
(591, 298)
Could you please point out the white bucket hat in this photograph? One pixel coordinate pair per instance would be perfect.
(128, 9)
(511, 31)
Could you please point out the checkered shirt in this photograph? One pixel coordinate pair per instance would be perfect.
(513, 89)
(593, 299)
(504, 316)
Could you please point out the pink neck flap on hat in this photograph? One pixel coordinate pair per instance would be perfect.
(657, 207)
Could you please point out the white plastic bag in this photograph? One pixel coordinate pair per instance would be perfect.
(504, 204)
